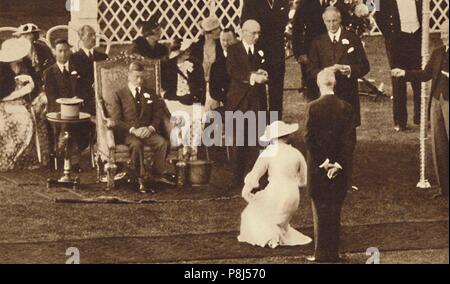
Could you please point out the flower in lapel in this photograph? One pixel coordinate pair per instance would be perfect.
(75, 74)
(261, 53)
(148, 97)
(345, 41)
(350, 50)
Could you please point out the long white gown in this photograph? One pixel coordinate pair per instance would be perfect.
(265, 220)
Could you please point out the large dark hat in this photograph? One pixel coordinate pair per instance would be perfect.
(150, 25)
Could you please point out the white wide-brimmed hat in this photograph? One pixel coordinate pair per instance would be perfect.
(210, 24)
(26, 29)
(14, 49)
(180, 48)
(278, 129)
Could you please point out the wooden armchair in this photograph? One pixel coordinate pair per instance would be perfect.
(111, 76)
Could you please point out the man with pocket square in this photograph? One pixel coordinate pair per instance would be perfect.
(342, 52)
(137, 114)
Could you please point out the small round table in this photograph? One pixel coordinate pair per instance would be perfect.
(67, 180)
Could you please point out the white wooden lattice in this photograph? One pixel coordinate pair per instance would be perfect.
(439, 13)
(117, 18)
(180, 18)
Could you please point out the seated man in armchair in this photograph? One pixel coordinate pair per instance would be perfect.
(137, 114)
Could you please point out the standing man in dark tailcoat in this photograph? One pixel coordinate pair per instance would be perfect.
(330, 141)
(400, 22)
(245, 63)
(273, 16)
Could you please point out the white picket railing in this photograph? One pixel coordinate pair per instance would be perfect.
(117, 18)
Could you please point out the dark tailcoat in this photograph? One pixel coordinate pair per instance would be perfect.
(273, 21)
(403, 51)
(141, 47)
(329, 134)
(242, 96)
(347, 51)
(85, 68)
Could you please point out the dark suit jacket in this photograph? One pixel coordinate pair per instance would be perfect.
(123, 111)
(308, 24)
(219, 80)
(437, 63)
(273, 24)
(196, 82)
(56, 86)
(321, 55)
(85, 68)
(239, 69)
(387, 17)
(329, 134)
(141, 47)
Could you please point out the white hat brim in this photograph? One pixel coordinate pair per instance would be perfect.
(285, 130)
(14, 52)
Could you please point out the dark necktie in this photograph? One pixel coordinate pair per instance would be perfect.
(91, 56)
(66, 73)
(250, 56)
(138, 99)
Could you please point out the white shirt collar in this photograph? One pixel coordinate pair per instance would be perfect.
(337, 35)
(133, 89)
(247, 46)
(62, 66)
(88, 51)
(225, 53)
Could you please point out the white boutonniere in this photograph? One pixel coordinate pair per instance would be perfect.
(345, 41)
(147, 95)
(351, 49)
(75, 74)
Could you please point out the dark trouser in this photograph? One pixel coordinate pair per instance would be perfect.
(310, 90)
(81, 136)
(277, 70)
(439, 139)
(404, 51)
(327, 224)
(244, 156)
(159, 146)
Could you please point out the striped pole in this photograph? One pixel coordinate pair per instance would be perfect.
(423, 182)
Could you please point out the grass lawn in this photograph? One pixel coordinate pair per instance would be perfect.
(386, 171)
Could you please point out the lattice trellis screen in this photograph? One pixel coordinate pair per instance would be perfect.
(439, 13)
(180, 18)
(117, 18)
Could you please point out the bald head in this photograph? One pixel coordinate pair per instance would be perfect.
(326, 80)
(87, 36)
(251, 31)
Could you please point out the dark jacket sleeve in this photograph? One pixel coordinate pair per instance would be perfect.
(51, 90)
(425, 74)
(362, 66)
(298, 30)
(317, 154)
(234, 67)
(314, 59)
